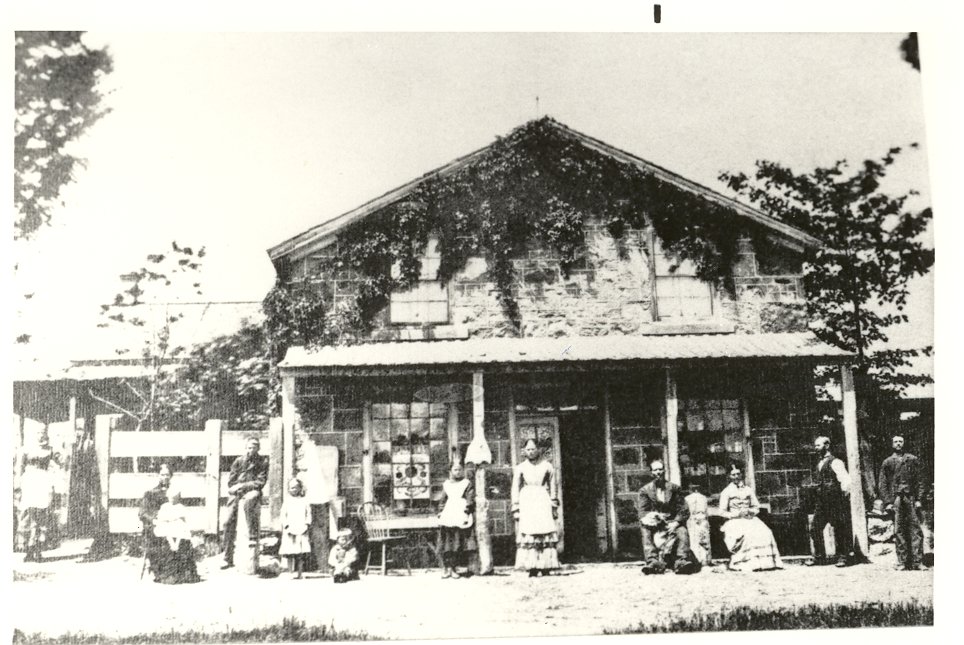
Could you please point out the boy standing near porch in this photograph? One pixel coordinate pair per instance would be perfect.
(831, 505)
(249, 474)
(902, 490)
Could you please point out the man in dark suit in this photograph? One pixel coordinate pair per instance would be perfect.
(902, 490)
(249, 474)
(663, 514)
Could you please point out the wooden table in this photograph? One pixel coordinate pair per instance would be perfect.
(423, 528)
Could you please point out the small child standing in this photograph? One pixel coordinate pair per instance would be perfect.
(698, 524)
(295, 521)
(455, 520)
(343, 557)
(880, 530)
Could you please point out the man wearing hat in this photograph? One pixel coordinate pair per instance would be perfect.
(249, 474)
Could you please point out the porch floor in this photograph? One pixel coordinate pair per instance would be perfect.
(107, 598)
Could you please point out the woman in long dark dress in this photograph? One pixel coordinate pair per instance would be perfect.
(167, 537)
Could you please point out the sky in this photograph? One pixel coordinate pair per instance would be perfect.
(238, 141)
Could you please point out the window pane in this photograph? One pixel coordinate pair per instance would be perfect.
(427, 302)
(684, 297)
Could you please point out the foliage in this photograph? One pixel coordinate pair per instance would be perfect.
(857, 282)
(290, 630)
(227, 378)
(745, 618)
(57, 100)
(909, 51)
(157, 396)
(539, 185)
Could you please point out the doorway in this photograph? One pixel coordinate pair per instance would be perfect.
(545, 432)
(584, 485)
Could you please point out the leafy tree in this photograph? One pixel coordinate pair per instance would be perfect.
(226, 378)
(56, 100)
(154, 400)
(857, 282)
(908, 49)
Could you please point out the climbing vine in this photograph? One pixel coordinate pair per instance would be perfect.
(538, 185)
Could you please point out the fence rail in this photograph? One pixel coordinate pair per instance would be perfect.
(120, 490)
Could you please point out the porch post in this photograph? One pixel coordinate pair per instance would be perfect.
(610, 483)
(479, 454)
(672, 430)
(858, 513)
(368, 481)
(288, 417)
(748, 447)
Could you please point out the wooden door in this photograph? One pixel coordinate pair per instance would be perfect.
(545, 431)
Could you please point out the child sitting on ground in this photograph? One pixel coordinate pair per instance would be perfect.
(698, 524)
(295, 521)
(880, 530)
(343, 557)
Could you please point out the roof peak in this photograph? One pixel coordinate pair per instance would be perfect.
(318, 236)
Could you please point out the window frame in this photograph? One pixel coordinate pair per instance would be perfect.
(658, 257)
(428, 276)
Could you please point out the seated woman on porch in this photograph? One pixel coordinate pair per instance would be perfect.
(534, 507)
(749, 540)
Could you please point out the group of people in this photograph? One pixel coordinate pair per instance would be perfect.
(674, 526)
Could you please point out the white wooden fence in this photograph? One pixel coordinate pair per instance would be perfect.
(120, 491)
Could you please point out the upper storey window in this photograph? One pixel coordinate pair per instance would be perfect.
(427, 302)
(680, 294)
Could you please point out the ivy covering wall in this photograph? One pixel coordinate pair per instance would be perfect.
(540, 185)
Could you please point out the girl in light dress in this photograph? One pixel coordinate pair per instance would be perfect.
(455, 520)
(535, 504)
(295, 521)
(749, 540)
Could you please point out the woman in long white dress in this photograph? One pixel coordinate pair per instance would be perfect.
(749, 540)
(534, 507)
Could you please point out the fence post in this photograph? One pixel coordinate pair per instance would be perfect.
(104, 425)
(276, 469)
(212, 475)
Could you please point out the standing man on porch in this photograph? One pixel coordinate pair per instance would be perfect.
(902, 490)
(831, 505)
(249, 474)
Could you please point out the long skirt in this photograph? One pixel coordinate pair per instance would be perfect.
(173, 567)
(537, 538)
(751, 545)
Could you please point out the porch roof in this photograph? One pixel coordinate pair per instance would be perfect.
(570, 350)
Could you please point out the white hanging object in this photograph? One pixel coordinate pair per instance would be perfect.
(478, 451)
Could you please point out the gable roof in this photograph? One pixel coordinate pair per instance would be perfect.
(318, 236)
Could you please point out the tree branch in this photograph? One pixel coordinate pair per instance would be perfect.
(135, 391)
(113, 405)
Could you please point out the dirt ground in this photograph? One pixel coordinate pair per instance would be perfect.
(108, 598)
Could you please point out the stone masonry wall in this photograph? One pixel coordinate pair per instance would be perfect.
(610, 292)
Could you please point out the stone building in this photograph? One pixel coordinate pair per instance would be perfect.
(622, 357)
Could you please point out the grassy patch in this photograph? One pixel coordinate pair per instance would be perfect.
(290, 630)
(867, 614)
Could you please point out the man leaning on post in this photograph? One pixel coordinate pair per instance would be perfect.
(249, 474)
